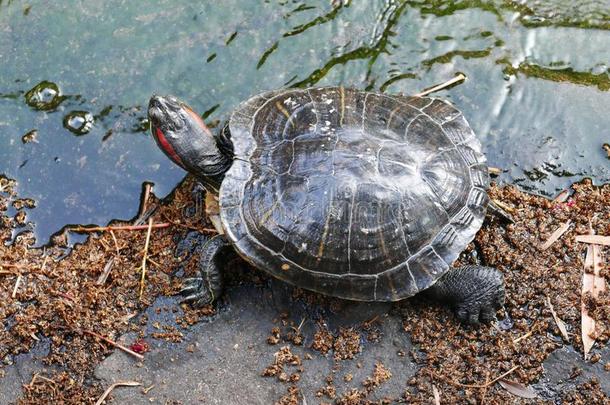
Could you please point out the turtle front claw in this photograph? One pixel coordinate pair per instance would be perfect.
(190, 285)
(199, 299)
(474, 312)
(205, 289)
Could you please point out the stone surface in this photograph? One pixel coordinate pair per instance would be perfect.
(231, 351)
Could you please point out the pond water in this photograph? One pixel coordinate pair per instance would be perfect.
(75, 78)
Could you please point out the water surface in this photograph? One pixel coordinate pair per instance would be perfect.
(79, 74)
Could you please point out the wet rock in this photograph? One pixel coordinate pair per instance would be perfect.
(565, 369)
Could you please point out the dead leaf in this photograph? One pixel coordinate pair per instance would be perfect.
(562, 197)
(592, 284)
(594, 239)
(518, 389)
(555, 235)
(560, 324)
(437, 395)
(494, 170)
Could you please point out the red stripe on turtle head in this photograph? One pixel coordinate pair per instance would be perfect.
(167, 147)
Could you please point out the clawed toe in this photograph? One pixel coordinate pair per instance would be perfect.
(195, 293)
(198, 299)
(191, 285)
(475, 314)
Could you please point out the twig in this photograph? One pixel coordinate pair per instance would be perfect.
(62, 294)
(528, 334)
(146, 196)
(143, 267)
(38, 376)
(115, 344)
(460, 77)
(298, 329)
(592, 283)
(487, 383)
(118, 228)
(556, 235)
(560, 324)
(44, 263)
(16, 286)
(437, 395)
(503, 206)
(146, 390)
(113, 386)
(592, 239)
(116, 243)
(11, 265)
(193, 228)
(46, 379)
(562, 197)
(104, 276)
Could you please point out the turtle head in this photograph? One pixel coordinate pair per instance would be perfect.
(186, 140)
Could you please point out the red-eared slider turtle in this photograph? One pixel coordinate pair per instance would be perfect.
(352, 194)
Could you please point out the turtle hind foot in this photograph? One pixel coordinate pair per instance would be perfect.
(207, 287)
(475, 292)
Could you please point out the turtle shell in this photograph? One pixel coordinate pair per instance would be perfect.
(352, 194)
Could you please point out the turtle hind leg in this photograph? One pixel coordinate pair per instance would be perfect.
(475, 292)
(207, 287)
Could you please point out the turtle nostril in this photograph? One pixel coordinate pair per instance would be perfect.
(155, 101)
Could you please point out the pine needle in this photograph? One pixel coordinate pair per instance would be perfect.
(145, 256)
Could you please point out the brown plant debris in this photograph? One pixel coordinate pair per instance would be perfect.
(347, 344)
(323, 340)
(291, 398)
(283, 358)
(358, 396)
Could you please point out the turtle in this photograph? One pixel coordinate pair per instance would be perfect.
(358, 195)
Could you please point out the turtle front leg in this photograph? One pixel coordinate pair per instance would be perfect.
(475, 292)
(206, 288)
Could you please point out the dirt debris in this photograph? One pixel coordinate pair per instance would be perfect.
(280, 367)
(59, 297)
